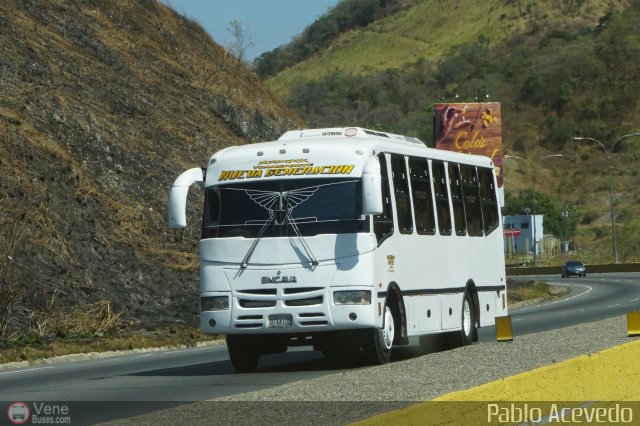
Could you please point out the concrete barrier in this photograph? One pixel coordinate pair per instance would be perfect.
(591, 269)
(603, 384)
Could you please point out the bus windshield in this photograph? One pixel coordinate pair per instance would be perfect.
(274, 208)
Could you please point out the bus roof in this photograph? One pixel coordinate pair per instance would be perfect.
(341, 141)
(348, 132)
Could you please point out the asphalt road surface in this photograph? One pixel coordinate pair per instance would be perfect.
(592, 298)
(134, 384)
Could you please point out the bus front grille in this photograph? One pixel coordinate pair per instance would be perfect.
(313, 323)
(317, 300)
(250, 317)
(247, 303)
(260, 291)
(299, 290)
(249, 325)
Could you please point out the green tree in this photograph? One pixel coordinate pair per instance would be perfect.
(629, 240)
(561, 222)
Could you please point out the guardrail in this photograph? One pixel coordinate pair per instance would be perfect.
(591, 269)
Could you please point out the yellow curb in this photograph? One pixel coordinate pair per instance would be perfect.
(610, 375)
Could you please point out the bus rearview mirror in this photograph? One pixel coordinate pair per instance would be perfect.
(178, 196)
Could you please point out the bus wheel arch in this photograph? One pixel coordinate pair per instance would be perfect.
(470, 306)
(395, 302)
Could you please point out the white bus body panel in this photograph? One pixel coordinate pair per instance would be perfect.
(277, 257)
(421, 268)
(431, 271)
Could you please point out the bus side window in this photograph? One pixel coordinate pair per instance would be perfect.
(470, 188)
(455, 186)
(401, 193)
(442, 197)
(488, 199)
(383, 222)
(421, 194)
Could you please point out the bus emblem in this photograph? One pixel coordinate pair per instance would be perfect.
(279, 279)
(391, 261)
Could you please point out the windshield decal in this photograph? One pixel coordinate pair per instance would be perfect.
(283, 201)
(317, 205)
(291, 167)
(275, 201)
(278, 202)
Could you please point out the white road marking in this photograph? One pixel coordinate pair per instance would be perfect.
(26, 369)
(589, 288)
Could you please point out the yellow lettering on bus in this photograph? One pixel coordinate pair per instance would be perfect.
(269, 170)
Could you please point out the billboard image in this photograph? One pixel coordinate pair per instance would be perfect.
(471, 128)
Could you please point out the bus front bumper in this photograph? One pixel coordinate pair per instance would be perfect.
(243, 316)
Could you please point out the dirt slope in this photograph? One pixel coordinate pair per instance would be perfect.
(102, 105)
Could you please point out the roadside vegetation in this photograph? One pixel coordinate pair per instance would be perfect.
(102, 105)
(109, 331)
(559, 70)
(33, 347)
(521, 292)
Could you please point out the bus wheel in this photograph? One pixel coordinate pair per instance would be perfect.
(243, 353)
(468, 320)
(382, 339)
(341, 348)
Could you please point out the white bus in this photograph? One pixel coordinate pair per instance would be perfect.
(350, 240)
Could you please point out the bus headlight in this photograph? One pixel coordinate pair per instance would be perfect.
(214, 303)
(352, 297)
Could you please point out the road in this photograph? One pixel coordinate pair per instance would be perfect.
(592, 298)
(155, 380)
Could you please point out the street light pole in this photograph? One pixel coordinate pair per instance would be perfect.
(613, 216)
(533, 190)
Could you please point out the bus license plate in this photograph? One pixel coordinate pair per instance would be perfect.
(280, 320)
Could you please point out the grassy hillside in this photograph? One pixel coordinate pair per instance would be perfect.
(429, 29)
(346, 16)
(102, 105)
(560, 68)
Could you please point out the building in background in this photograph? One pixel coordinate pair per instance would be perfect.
(519, 234)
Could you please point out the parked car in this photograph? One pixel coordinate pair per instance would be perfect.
(573, 267)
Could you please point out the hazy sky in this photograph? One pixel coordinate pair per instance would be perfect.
(270, 23)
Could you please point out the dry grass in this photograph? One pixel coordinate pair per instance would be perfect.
(96, 327)
(32, 349)
(102, 105)
(532, 291)
(95, 319)
(10, 291)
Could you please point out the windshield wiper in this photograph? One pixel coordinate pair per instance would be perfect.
(282, 197)
(247, 256)
(304, 244)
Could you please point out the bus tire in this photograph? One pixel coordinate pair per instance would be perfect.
(468, 330)
(336, 354)
(243, 353)
(382, 339)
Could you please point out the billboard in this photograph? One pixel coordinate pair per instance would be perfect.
(472, 128)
